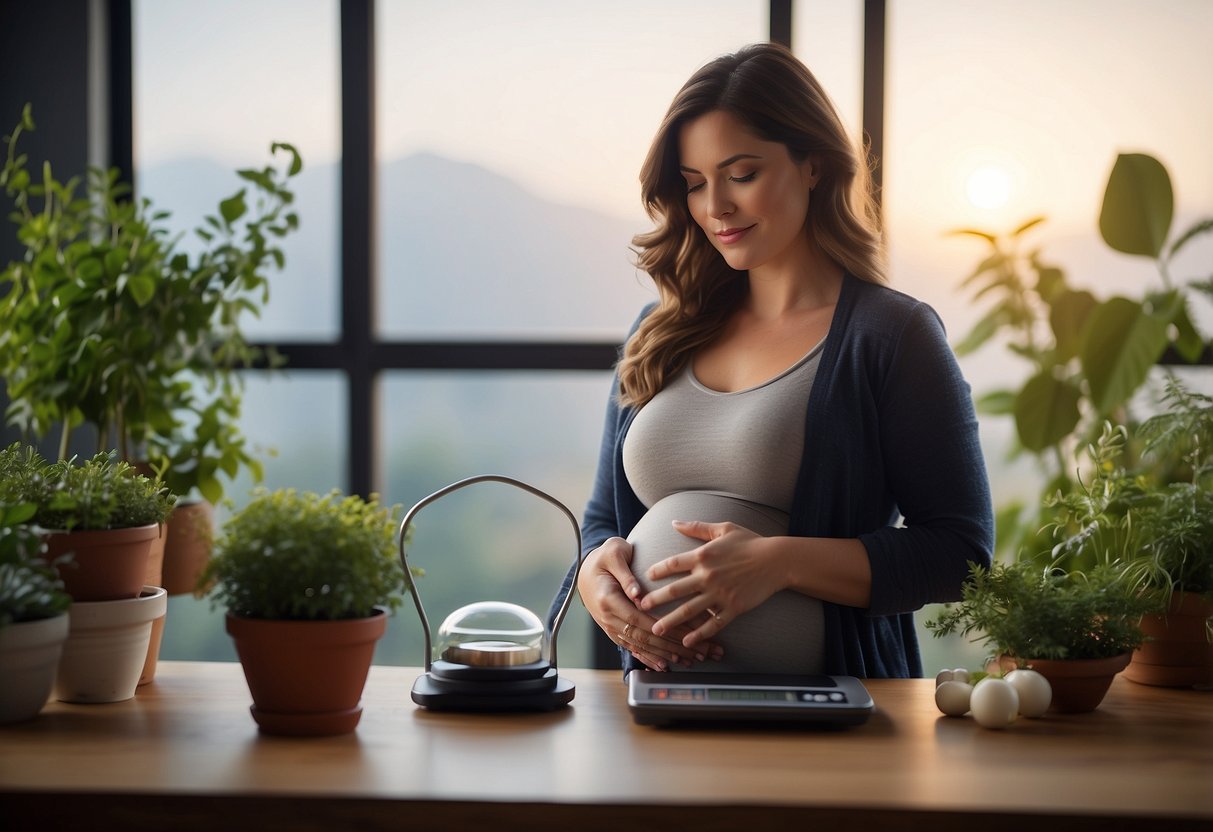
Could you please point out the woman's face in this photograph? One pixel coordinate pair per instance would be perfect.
(747, 194)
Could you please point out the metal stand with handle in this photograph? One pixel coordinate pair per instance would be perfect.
(507, 673)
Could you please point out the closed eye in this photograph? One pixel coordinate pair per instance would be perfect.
(749, 177)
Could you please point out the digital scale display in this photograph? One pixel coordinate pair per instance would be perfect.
(660, 698)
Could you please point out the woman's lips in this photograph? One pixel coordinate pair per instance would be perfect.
(729, 236)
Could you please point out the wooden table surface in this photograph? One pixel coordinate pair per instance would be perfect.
(185, 754)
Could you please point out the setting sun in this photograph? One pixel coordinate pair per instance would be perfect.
(989, 187)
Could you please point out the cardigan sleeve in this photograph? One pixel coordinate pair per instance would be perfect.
(601, 520)
(934, 470)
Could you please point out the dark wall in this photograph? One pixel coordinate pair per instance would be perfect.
(44, 60)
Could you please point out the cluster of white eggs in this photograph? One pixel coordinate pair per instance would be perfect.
(994, 701)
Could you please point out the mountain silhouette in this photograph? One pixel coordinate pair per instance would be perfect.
(463, 253)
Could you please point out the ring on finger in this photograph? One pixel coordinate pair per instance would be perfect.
(627, 630)
(713, 613)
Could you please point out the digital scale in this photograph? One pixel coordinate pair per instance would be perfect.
(656, 698)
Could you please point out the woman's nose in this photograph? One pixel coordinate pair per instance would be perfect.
(719, 204)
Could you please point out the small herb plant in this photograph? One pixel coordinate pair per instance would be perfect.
(1027, 611)
(99, 493)
(305, 556)
(30, 588)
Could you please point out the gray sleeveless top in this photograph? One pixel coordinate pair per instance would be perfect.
(693, 453)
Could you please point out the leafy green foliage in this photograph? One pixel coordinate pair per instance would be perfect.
(1159, 527)
(30, 588)
(1028, 611)
(1088, 356)
(288, 555)
(98, 493)
(104, 322)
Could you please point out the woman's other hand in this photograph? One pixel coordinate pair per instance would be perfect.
(611, 595)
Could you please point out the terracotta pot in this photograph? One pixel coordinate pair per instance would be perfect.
(106, 565)
(188, 545)
(1079, 685)
(306, 677)
(107, 647)
(154, 576)
(153, 652)
(1179, 652)
(29, 657)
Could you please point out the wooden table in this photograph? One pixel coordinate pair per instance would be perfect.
(185, 754)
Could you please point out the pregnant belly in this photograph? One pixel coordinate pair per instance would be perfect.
(781, 635)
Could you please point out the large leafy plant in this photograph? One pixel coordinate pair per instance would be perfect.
(105, 322)
(1088, 356)
(305, 556)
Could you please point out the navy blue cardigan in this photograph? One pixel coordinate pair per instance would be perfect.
(890, 431)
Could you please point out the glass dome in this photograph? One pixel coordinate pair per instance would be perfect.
(491, 634)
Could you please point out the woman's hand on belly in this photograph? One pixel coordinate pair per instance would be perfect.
(731, 573)
(610, 593)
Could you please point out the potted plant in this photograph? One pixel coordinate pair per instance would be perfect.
(33, 617)
(1076, 628)
(105, 515)
(1158, 516)
(1087, 356)
(100, 510)
(139, 340)
(307, 581)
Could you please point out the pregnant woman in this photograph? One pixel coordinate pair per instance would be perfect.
(790, 464)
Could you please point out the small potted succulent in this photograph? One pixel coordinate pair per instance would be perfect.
(307, 581)
(33, 617)
(1076, 628)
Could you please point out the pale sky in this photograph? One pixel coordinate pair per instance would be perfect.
(564, 97)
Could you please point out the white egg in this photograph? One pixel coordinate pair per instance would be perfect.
(994, 703)
(952, 697)
(958, 674)
(1034, 691)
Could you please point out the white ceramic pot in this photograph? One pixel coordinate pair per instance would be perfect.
(29, 657)
(107, 646)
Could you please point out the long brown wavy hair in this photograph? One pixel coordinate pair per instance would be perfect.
(768, 89)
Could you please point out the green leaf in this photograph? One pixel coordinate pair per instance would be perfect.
(972, 232)
(996, 403)
(982, 331)
(1046, 411)
(233, 208)
(1032, 223)
(210, 488)
(89, 269)
(1188, 341)
(1201, 227)
(1137, 206)
(142, 288)
(1120, 345)
(1068, 316)
(296, 160)
(1050, 281)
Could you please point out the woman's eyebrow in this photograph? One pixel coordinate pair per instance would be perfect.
(735, 158)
